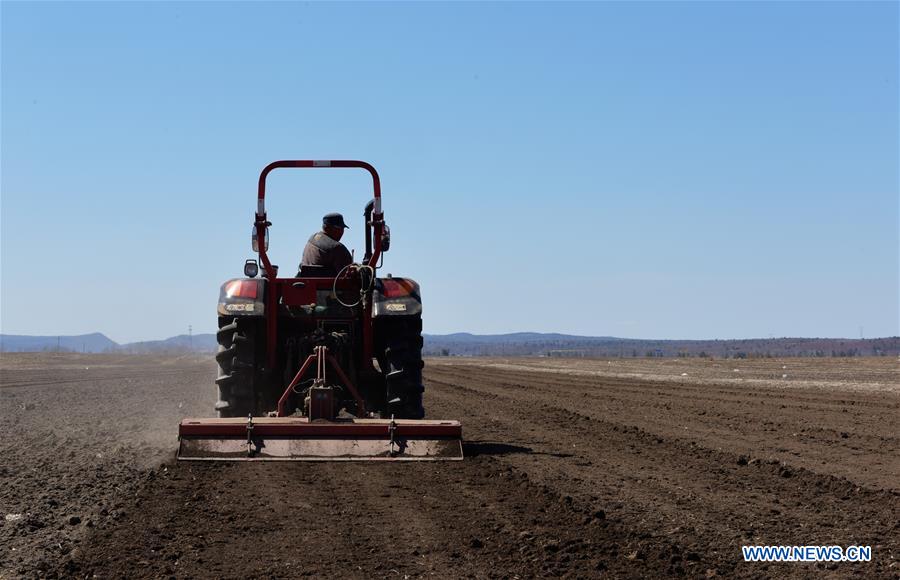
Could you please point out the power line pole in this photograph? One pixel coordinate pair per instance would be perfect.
(190, 338)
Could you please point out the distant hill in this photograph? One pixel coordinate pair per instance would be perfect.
(94, 342)
(97, 342)
(180, 343)
(517, 337)
(514, 344)
(565, 345)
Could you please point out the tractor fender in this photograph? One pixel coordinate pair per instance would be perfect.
(242, 297)
(396, 297)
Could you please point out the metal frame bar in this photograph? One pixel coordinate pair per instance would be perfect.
(301, 426)
(262, 223)
(321, 355)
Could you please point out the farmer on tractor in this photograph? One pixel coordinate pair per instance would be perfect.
(324, 250)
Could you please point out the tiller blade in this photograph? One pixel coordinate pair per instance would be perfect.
(299, 439)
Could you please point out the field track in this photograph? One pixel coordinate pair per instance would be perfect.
(575, 468)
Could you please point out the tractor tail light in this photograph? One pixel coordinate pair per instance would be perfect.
(241, 289)
(392, 288)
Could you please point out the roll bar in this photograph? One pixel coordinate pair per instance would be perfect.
(261, 223)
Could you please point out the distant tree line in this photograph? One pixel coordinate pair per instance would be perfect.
(628, 348)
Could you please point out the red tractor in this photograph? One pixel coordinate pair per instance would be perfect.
(320, 366)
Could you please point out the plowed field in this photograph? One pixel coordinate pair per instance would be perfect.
(574, 468)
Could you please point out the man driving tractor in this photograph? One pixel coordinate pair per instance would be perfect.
(324, 248)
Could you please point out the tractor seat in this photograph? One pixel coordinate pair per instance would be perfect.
(311, 271)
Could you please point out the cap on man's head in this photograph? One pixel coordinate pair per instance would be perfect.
(335, 220)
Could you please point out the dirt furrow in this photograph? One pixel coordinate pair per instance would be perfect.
(568, 474)
(866, 451)
(701, 497)
(476, 519)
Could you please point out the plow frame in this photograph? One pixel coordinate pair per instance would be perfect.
(299, 439)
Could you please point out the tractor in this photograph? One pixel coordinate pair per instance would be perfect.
(320, 365)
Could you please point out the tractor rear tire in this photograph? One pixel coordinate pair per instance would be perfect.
(237, 376)
(403, 372)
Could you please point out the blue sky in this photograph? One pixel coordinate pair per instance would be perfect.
(649, 170)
